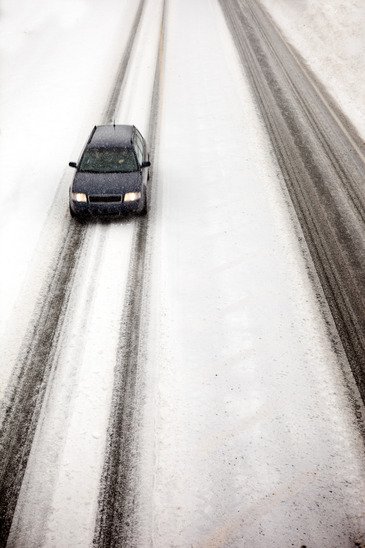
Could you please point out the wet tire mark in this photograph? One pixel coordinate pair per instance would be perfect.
(322, 163)
(25, 395)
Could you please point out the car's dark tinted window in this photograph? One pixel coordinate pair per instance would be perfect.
(108, 160)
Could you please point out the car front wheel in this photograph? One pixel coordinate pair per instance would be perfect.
(145, 206)
(74, 215)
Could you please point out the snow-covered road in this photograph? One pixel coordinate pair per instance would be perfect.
(245, 432)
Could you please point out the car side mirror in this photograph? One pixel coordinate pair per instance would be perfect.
(72, 164)
(146, 164)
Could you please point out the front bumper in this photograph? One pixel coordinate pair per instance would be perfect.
(100, 209)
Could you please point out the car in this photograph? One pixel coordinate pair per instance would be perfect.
(111, 174)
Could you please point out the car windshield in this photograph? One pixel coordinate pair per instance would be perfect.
(108, 160)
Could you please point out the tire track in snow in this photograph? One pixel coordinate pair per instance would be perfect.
(35, 362)
(322, 163)
(117, 500)
(116, 91)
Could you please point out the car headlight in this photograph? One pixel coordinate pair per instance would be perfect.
(132, 196)
(79, 197)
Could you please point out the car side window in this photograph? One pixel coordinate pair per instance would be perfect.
(139, 151)
(139, 140)
(138, 136)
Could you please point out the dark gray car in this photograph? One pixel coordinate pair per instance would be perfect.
(112, 173)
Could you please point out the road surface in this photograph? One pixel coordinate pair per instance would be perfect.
(195, 377)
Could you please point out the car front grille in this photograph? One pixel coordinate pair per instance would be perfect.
(106, 199)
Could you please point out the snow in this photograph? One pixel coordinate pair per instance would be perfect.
(248, 437)
(245, 375)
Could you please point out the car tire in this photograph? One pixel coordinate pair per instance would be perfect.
(143, 211)
(78, 218)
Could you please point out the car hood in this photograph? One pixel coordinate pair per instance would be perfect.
(106, 183)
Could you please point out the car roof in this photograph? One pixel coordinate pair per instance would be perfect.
(111, 135)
